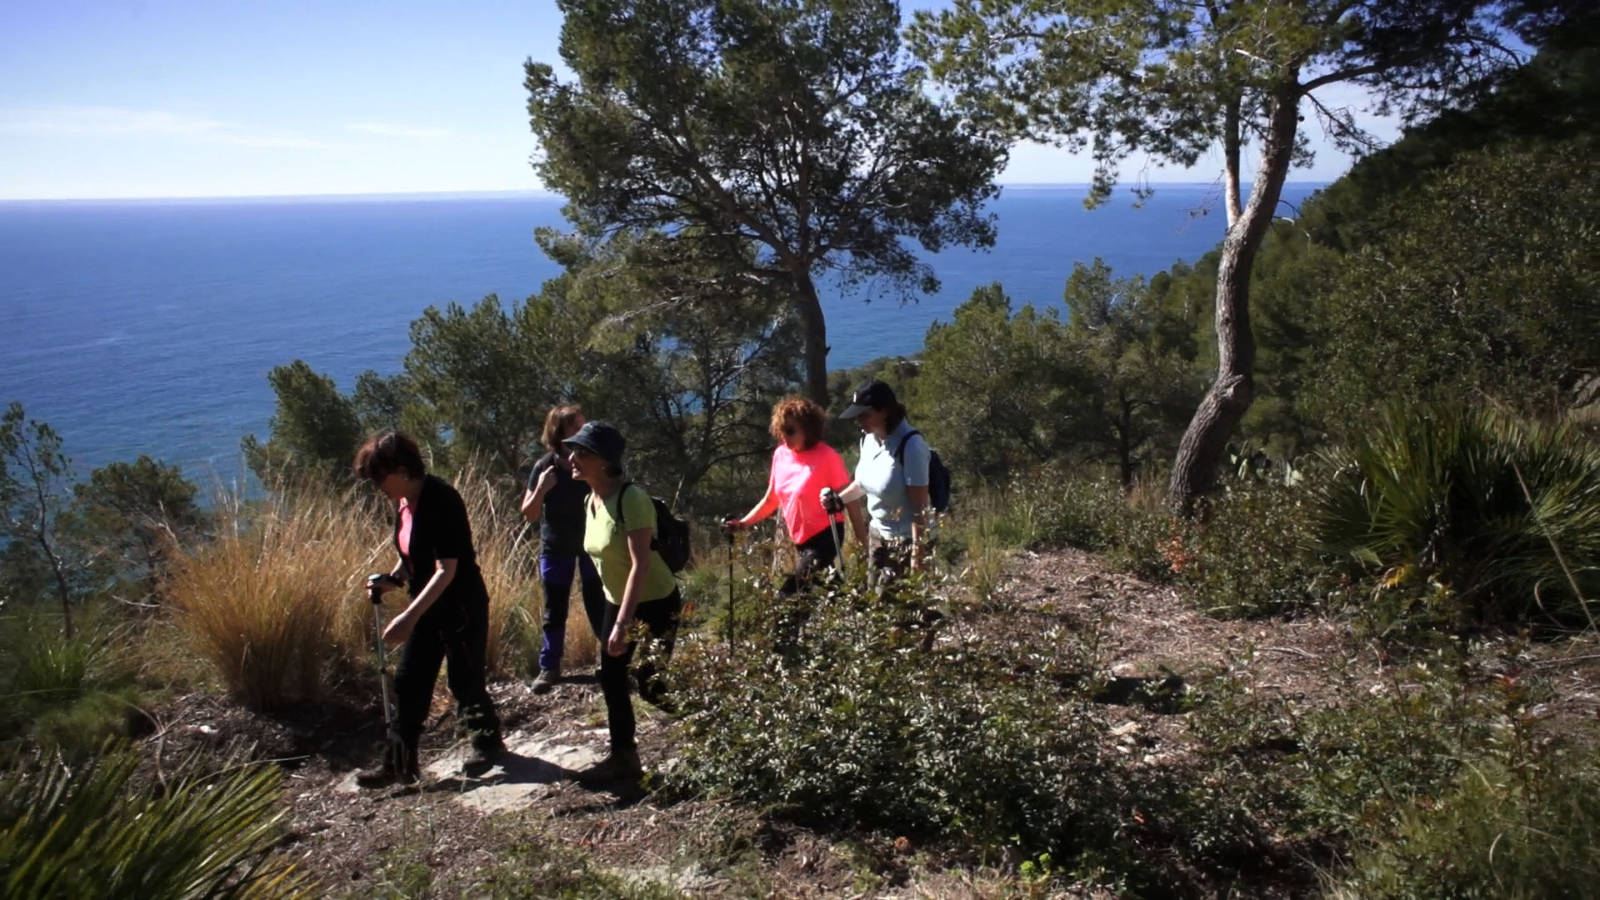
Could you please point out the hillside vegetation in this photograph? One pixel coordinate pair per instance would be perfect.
(1363, 666)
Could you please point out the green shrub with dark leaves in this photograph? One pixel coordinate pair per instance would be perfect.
(1092, 512)
(852, 722)
(1250, 554)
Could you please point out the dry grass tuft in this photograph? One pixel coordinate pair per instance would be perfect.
(276, 597)
(273, 597)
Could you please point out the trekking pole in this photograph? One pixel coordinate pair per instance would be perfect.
(838, 549)
(391, 714)
(730, 590)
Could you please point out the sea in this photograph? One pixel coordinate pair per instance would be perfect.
(149, 326)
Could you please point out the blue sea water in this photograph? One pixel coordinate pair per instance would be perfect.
(149, 326)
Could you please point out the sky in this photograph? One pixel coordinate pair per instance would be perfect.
(177, 98)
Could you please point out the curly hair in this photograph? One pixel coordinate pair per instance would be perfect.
(798, 412)
(557, 423)
(384, 454)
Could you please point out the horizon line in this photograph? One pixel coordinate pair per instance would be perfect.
(508, 194)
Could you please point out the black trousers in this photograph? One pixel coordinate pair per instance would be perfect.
(661, 618)
(817, 553)
(456, 630)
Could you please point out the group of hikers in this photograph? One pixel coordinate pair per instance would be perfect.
(597, 530)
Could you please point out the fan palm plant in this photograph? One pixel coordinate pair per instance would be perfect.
(1503, 515)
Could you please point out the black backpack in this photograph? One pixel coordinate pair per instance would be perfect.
(671, 539)
(938, 475)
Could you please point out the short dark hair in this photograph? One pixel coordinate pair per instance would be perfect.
(557, 422)
(798, 412)
(384, 454)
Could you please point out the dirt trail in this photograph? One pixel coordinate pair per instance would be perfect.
(446, 835)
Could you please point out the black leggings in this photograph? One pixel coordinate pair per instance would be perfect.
(661, 618)
(456, 630)
(818, 552)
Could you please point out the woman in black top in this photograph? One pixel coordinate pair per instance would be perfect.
(448, 617)
(556, 501)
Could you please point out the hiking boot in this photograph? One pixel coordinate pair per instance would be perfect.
(619, 765)
(546, 680)
(482, 758)
(398, 767)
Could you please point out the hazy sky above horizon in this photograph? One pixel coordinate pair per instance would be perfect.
(181, 98)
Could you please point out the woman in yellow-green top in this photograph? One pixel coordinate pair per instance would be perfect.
(619, 525)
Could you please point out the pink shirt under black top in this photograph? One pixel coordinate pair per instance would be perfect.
(436, 528)
(797, 480)
(403, 536)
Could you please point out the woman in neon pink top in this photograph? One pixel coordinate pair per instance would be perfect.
(802, 465)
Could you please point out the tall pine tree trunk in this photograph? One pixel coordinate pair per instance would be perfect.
(816, 337)
(1194, 472)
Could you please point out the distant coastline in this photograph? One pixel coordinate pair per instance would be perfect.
(530, 194)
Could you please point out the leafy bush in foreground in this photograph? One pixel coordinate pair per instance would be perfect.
(856, 725)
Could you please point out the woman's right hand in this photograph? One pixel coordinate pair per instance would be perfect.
(831, 501)
(617, 643)
(547, 480)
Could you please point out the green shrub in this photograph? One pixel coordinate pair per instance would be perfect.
(1059, 505)
(1074, 509)
(86, 832)
(1248, 556)
(1351, 769)
(1503, 516)
(855, 726)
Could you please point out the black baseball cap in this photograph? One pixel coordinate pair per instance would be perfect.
(872, 394)
(602, 440)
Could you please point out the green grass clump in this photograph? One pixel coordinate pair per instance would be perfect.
(86, 832)
(1498, 833)
(67, 695)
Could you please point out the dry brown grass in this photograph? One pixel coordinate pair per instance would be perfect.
(276, 596)
(269, 600)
